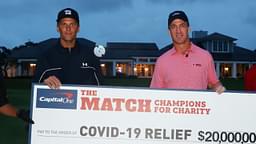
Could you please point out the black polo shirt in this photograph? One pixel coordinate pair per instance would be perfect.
(76, 65)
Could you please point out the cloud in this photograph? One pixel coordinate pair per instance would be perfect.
(251, 17)
(182, 1)
(17, 8)
(96, 6)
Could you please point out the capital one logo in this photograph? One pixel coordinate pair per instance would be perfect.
(52, 98)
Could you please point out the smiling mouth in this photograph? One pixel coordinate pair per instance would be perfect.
(179, 36)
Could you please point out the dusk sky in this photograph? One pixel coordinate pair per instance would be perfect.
(105, 21)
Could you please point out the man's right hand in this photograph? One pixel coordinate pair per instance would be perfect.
(220, 89)
(53, 82)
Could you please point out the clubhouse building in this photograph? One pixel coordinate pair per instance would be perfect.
(138, 59)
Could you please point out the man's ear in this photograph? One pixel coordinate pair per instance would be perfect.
(78, 29)
(169, 32)
(189, 29)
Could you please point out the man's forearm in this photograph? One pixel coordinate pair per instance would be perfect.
(8, 110)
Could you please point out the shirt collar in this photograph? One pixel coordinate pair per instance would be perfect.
(66, 50)
(192, 49)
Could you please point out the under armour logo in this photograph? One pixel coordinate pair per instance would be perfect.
(84, 64)
(67, 12)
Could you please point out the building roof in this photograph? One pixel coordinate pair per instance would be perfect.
(32, 50)
(125, 50)
(243, 54)
(132, 46)
(217, 36)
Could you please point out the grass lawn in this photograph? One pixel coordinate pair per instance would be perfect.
(233, 84)
(19, 91)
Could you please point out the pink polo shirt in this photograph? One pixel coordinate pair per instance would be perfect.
(175, 70)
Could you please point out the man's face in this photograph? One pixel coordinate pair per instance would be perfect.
(179, 30)
(68, 29)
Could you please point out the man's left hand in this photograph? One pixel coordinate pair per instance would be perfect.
(24, 115)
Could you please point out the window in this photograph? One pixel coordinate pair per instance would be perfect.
(225, 46)
(143, 60)
(215, 46)
(220, 46)
(152, 60)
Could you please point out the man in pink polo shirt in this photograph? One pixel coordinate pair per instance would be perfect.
(185, 66)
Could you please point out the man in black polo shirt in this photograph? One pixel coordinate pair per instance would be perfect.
(69, 61)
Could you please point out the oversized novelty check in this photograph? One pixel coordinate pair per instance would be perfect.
(106, 115)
